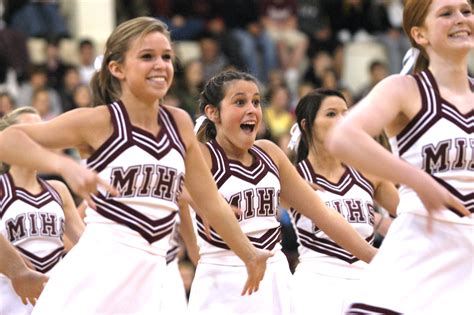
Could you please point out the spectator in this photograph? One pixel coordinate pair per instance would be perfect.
(71, 80)
(351, 19)
(185, 18)
(212, 59)
(7, 103)
(377, 71)
(387, 18)
(319, 63)
(39, 18)
(329, 79)
(13, 54)
(39, 80)
(314, 21)
(41, 102)
(126, 10)
(82, 96)
(280, 18)
(54, 65)
(255, 47)
(86, 60)
(189, 85)
(277, 116)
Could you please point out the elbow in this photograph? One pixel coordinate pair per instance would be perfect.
(334, 141)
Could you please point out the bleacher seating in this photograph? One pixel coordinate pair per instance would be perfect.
(357, 58)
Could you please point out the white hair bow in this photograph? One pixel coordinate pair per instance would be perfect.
(199, 122)
(295, 133)
(98, 62)
(409, 60)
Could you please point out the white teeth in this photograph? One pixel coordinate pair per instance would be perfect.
(157, 79)
(460, 34)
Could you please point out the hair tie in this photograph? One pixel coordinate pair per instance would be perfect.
(409, 60)
(295, 133)
(199, 121)
(98, 62)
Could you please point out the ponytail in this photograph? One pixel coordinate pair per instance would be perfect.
(207, 131)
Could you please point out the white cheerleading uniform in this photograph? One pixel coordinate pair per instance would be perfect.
(34, 224)
(118, 265)
(417, 272)
(220, 274)
(326, 271)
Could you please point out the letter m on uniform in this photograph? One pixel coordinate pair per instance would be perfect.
(124, 181)
(435, 159)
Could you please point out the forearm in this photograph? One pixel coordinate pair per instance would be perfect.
(222, 219)
(19, 149)
(187, 233)
(382, 223)
(359, 150)
(208, 202)
(341, 232)
(11, 264)
(74, 231)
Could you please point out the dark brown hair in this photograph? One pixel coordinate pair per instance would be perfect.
(213, 94)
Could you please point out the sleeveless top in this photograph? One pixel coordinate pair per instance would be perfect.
(148, 171)
(255, 189)
(440, 141)
(33, 223)
(352, 196)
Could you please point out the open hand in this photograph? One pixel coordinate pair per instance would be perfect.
(435, 197)
(29, 285)
(256, 270)
(85, 182)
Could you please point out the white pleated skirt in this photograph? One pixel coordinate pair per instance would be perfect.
(102, 276)
(416, 272)
(216, 289)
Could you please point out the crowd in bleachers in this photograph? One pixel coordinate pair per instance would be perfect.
(291, 46)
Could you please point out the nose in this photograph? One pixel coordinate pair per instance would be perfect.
(251, 108)
(461, 17)
(159, 63)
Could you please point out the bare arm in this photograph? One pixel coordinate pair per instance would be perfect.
(186, 230)
(74, 223)
(81, 209)
(390, 101)
(382, 223)
(27, 283)
(386, 195)
(296, 192)
(23, 144)
(203, 191)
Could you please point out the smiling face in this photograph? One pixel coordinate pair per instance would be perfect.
(240, 115)
(332, 109)
(449, 25)
(147, 71)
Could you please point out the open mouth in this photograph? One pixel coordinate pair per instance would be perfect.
(248, 127)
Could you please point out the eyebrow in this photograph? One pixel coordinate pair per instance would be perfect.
(151, 49)
(243, 94)
(334, 108)
(454, 6)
